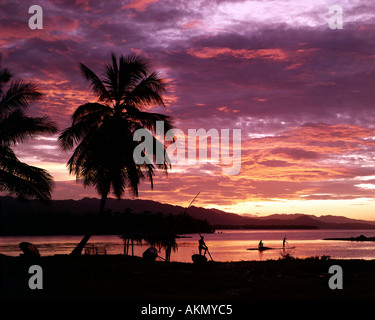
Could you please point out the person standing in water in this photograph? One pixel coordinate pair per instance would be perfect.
(284, 242)
(202, 246)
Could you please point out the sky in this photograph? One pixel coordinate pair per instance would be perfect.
(301, 92)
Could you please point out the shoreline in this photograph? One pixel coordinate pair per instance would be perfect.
(360, 238)
(119, 277)
(307, 243)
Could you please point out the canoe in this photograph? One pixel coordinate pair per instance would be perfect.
(261, 248)
(268, 248)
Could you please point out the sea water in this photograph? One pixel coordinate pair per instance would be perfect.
(224, 245)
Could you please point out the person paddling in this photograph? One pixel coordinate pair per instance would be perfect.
(284, 242)
(260, 245)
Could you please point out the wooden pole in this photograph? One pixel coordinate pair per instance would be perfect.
(208, 251)
(192, 202)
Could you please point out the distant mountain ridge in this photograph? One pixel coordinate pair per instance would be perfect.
(216, 217)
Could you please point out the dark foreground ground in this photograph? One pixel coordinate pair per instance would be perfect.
(131, 278)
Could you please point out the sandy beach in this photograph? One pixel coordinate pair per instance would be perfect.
(131, 278)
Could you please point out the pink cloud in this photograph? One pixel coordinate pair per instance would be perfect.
(138, 5)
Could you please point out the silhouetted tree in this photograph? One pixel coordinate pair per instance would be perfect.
(16, 177)
(102, 132)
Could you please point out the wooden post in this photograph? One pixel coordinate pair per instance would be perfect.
(168, 250)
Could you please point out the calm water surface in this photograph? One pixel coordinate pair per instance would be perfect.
(224, 245)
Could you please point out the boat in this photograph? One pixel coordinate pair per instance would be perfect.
(198, 259)
(268, 248)
(29, 250)
(150, 254)
(260, 248)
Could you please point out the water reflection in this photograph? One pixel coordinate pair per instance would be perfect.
(230, 245)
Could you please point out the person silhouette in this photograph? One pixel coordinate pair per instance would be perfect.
(202, 246)
(260, 245)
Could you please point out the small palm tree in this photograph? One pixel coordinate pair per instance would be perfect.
(102, 132)
(18, 178)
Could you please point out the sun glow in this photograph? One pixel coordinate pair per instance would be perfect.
(361, 208)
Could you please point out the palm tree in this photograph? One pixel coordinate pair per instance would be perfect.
(18, 178)
(102, 132)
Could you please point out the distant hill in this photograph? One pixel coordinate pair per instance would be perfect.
(217, 218)
(91, 205)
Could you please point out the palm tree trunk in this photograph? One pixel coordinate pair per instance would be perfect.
(77, 251)
(126, 246)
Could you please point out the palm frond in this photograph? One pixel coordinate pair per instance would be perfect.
(132, 70)
(146, 92)
(5, 76)
(149, 119)
(16, 127)
(88, 110)
(96, 84)
(111, 80)
(18, 178)
(19, 96)
(87, 118)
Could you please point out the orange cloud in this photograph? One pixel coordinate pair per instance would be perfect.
(54, 28)
(214, 52)
(193, 24)
(311, 152)
(138, 5)
(226, 109)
